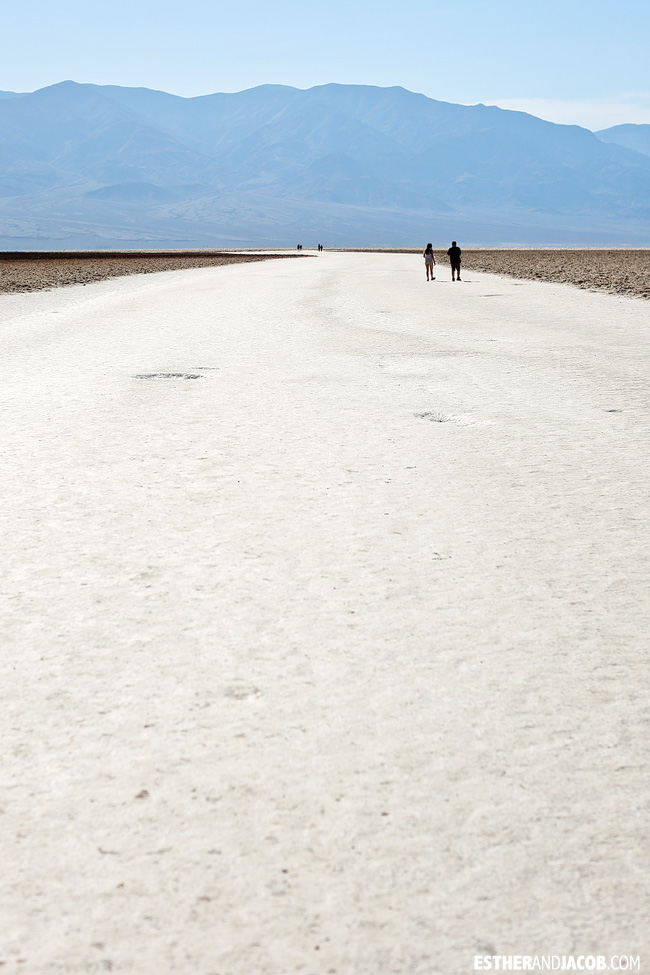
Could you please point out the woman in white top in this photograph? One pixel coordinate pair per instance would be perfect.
(429, 261)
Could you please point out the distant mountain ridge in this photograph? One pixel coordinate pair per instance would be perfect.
(635, 137)
(89, 165)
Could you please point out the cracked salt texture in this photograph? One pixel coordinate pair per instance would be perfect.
(286, 667)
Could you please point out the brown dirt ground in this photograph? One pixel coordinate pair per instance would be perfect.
(621, 272)
(624, 272)
(618, 271)
(38, 271)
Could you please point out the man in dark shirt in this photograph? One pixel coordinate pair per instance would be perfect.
(454, 253)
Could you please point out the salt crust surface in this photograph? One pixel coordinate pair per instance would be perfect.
(333, 659)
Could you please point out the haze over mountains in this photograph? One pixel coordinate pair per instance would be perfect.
(103, 166)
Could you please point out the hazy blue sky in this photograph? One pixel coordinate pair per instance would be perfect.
(566, 60)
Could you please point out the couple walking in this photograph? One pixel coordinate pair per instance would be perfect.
(453, 254)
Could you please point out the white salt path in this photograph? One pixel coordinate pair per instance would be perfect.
(333, 659)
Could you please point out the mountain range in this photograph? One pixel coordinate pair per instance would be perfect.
(92, 166)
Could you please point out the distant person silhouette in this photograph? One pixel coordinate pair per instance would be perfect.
(429, 261)
(454, 253)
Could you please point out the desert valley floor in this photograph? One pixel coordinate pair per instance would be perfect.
(325, 621)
